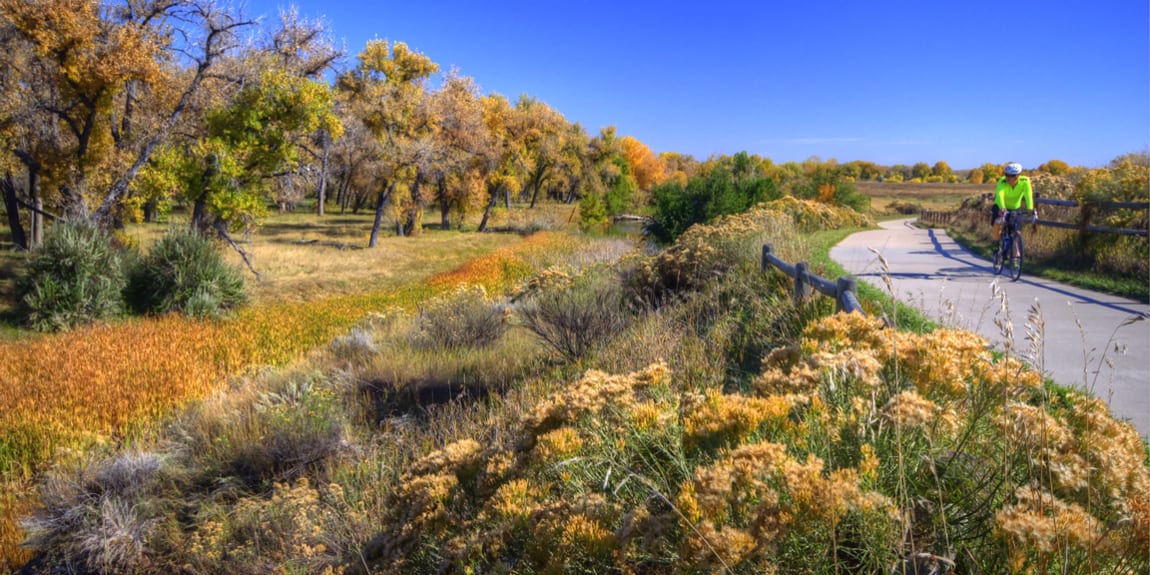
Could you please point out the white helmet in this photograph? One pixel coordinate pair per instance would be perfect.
(1013, 169)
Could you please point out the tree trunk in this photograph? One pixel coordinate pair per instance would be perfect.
(37, 221)
(199, 210)
(323, 174)
(444, 206)
(414, 224)
(13, 207)
(150, 211)
(487, 212)
(537, 180)
(534, 196)
(384, 194)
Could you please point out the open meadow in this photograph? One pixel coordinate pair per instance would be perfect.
(888, 197)
(554, 402)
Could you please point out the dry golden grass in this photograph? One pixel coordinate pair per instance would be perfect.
(301, 257)
(115, 377)
(928, 196)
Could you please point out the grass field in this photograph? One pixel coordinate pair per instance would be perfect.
(724, 430)
(925, 196)
(300, 256)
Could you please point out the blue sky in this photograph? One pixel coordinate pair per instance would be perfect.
(884, 81)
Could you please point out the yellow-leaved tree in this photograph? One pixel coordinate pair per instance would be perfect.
(385, 90)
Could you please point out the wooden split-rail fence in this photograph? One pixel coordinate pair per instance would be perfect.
(1086, 214)
(844, 290)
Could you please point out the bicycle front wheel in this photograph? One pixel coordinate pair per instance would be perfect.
(998, 256)
(1016, 253)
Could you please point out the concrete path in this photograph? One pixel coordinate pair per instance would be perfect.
(1090, 340)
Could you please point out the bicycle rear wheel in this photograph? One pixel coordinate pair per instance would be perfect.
(1016, 253)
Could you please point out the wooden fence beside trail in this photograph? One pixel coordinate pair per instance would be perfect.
(1086, 215)
(844, 290)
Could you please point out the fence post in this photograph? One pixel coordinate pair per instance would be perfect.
(767, 250)
(802, 290)
(844, 285)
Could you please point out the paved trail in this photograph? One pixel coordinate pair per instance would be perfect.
(956, 288)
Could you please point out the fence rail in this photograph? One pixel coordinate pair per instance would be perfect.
(844, 290)
(1084, 225)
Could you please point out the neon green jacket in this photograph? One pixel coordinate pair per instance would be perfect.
(1008, 198)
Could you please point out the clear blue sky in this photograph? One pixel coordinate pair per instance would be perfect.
(886, 81)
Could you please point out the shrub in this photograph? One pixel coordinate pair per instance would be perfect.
(464, 319)
(75, 277)
(719, 193)
(902, 207)
(102, 515)
(704, 254)
(575, 318)
(592, 213)
(355, 347)
(185, 272)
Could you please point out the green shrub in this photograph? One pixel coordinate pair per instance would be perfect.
(185, 272)
(704, 198)
(75, 277)
(592, 213)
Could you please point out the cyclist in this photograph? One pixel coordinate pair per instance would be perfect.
(1010, 192)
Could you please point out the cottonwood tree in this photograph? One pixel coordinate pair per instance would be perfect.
(941, 169)
(96, 66)
(305, 47)
(458, 142)
(386, 89)
(647, 168)
(541, 133)
(574, 163)
(1055, 168)
(29, 139)
(354, 163)
(226, 166)
(500, 167)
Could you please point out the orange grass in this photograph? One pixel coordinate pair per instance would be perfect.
(93, 384)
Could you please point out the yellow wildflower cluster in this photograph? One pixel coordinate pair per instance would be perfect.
(550, 279)
(421, 501)
(814, 216)
(1113, 449)
(908, 409)
(557, 445)
(1033, 429)
(742, 505)
(787, 372)
(1039, 524)
(730, 419)
(847, 331)
(592, 393)
(939, 363)
(1086, 467)
(514, 501)
(284, 533)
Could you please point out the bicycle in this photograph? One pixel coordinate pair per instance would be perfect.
(1010, 252)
